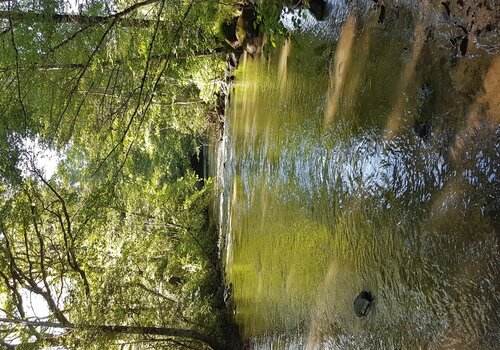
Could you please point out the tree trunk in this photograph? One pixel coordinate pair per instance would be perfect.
(169, 332)
(80, 20)
(83, 20)
(134, 330)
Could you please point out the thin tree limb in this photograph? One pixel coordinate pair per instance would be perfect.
(31, 284)
(84, 70)
(108, 18)
(18, 77)
(118, 329)
(146, 107)
(67, 231)
(141, 90)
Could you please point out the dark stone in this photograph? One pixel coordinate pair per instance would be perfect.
(175, 281)
(463, 46)
(381, 16)
(228, 29)
(232, 60)
(247, 31)
(319, 9)
(446, 6)
(423, 123)
(247, 19)
(362, 303)
(422, 129)
(228, 293)
(197, 163)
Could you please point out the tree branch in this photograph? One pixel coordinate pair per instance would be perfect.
(154, 292)
(116, 329)
(83, 71)
(31, 284)
(147, 105)
(18, 77)
(67, 233)
(119, 16)
(15, 294)
(141, 90)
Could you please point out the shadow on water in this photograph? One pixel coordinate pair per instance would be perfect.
(367, 160)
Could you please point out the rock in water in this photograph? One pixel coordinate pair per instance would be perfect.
(228, 293)
(319, 9)
(362, 303)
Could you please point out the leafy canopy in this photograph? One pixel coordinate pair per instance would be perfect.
(118, 235)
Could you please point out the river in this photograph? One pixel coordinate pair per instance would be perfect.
(364, 154)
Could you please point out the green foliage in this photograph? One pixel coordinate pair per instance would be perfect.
(119, 234)
(269, 21)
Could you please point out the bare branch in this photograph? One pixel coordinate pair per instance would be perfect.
(15, 294)
(154, 292)
(67, 233)
(31, 284)
(26, 246)
(77, 112)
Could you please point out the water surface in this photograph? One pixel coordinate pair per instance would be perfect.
(365, 156)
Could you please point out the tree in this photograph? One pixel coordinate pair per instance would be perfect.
(120, 330)
(102, 70)
(102, 262)
(115, 246)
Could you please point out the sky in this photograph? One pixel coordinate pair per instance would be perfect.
(44, 158)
